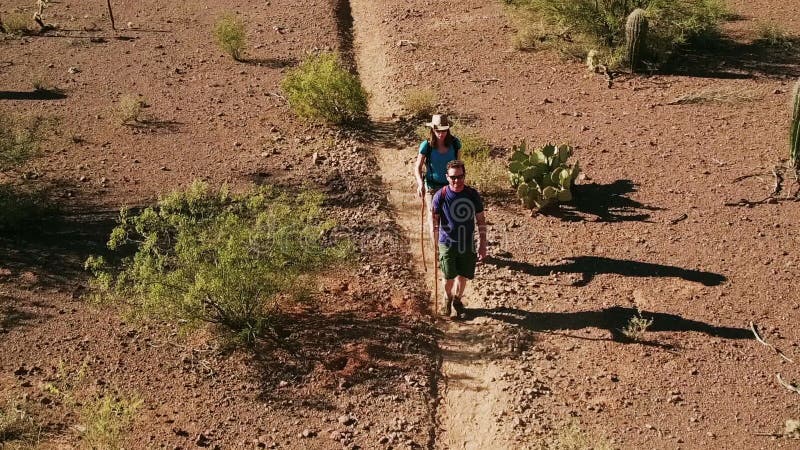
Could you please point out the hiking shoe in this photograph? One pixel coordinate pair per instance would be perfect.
(446, 311)
(461, 312)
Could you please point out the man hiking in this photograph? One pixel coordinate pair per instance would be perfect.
(455, 210)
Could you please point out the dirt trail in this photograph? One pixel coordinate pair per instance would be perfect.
(472, 394)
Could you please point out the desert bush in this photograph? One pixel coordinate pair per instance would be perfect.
(107, 419)
(636, 327)
(204, 255)
(130, 109)
(593, 24)
(420, 102)
(16, 24)
(321, 88)
(230, 35)
(542, 177)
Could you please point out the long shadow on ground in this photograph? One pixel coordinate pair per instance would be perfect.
(36, 94)
(55, 247)
(613, 319)
(729, 59)
(589, 266)
(606, 202)
(343, 349)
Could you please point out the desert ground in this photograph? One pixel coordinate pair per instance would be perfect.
(667, 223)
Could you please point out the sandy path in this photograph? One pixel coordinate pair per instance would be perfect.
(472, 393)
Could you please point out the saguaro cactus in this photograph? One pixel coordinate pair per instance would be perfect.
(635, 36)
(794, 133)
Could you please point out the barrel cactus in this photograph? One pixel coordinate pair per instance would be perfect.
(635, 37)
(794, 134)
(542, 177)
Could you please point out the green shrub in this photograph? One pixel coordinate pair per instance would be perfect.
(321, 88)
(213, 256)
(16, 24)
(542, 177)
(600, 24)
(230, 35)
(420, 102)
(636, 327)
(106, 420)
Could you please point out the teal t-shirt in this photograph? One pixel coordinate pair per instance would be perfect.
(436, 175)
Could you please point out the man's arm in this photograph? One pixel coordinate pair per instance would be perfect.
(480, 218)
(435, 228)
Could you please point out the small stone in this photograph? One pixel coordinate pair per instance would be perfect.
(346, 420)
(307, 433)
(73, 70)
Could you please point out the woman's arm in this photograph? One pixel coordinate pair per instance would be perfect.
(418, 169)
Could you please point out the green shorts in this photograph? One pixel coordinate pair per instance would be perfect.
(454, 263)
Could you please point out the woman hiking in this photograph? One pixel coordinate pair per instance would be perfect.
(431, 167)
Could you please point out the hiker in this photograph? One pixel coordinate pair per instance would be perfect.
(434, 154)
(455, 209)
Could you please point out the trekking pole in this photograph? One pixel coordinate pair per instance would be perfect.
(422, 233)
(436, 275)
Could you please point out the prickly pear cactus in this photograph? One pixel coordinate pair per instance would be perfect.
(794, 134)
(542, 177)
(635, 37)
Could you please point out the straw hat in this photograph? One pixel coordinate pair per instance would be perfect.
(439, 122)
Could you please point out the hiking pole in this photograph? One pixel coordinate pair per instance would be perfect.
(422, 233)
(436, 275)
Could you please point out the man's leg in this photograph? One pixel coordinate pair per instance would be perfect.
(447, 264)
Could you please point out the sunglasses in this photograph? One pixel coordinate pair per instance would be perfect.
(457, 177)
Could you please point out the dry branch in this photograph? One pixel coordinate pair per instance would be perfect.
(789, 386)
(767, 344)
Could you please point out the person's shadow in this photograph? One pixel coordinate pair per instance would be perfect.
(613, 319)
(589, 266)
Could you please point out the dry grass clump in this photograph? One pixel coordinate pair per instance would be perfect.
(17, 24)
(130, 109)
(230, 35)
(107, 419)
(420, 102)
(771, 34)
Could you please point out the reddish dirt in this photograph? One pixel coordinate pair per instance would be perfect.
(649, 230)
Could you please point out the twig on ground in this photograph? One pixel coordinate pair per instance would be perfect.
(765, 343)
(778, 181)
(682, 217)
(486, 81)
(744, 177)
(789, 386)
(279, 96)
